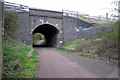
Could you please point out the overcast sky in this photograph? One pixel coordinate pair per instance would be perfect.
(91, 7)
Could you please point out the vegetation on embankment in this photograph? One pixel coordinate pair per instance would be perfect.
(20, 60)
(103, 46)
(10, 21)
(37, 37)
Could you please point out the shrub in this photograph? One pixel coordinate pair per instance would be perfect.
(10, 20)
(37, 37)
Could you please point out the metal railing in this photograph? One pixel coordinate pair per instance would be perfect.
(15, 7)
(74, 14)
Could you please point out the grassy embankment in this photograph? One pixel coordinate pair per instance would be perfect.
(103, 46)
(20, 60)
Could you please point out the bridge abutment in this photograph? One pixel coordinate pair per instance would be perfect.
(23, 31)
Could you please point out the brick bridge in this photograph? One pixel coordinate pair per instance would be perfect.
(57, 27)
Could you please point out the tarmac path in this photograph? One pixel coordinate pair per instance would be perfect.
(57, 64)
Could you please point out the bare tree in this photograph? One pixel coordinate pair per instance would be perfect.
(116, 10)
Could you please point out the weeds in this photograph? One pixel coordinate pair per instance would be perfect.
(105, 44)
(16, 61)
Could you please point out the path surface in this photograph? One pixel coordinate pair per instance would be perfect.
(39, 42)
(58, 64)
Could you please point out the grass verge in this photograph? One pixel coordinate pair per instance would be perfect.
(20, 60)
(103, 46)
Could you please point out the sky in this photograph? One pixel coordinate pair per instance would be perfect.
(91, 7)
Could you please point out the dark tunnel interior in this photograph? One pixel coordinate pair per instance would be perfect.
(50, 33)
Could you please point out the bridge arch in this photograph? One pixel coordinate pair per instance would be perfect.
(50, 32)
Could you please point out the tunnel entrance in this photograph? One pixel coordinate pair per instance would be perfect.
(50, 34)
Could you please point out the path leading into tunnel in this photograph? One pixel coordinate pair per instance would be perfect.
(57, 64)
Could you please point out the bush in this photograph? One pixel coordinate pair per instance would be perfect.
(104, 45)
(107, 48)
(37, 37)
(111, 32)
(10, 21)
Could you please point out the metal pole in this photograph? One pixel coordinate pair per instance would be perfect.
(119, 10)
(77, 26)
(62, 26)
(107, 16)
(99, 17)
(1, 26)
